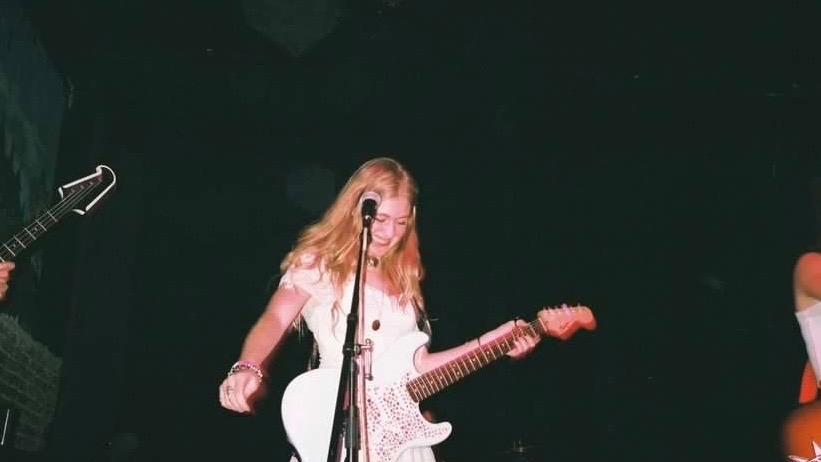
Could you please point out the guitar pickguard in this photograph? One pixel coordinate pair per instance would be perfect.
(395, 422)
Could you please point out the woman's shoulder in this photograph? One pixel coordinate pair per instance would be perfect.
(808, 262)
(307, 271)
(305, 259)
(807, 273)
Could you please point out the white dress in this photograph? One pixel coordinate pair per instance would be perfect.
(328, 327)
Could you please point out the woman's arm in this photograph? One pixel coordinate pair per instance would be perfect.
(271, 327)
(426, 361)
(242, 386)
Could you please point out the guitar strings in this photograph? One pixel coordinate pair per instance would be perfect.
(55, 213)
(25, 237)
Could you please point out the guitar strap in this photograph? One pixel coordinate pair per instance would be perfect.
(423, 324)
(313, 360)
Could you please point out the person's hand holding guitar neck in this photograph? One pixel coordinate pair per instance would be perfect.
(5, 274)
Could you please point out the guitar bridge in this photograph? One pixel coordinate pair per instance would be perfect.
(367, 358)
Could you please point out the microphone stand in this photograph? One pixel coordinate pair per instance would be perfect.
(346, 412)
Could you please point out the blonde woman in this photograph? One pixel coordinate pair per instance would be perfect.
(317, 283)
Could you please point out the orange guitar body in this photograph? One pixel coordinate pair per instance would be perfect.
(801, 436)
(809, 387)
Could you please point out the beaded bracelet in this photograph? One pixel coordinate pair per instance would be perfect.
(246, 366)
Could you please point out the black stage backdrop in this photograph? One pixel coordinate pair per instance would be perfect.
(653, 166)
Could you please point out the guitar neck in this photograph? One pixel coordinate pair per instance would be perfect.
(455, 370)
(72, 195)
(38, 227)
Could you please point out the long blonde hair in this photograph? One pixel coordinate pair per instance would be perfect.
(333, 244)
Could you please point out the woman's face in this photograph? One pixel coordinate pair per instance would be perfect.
(389, 225)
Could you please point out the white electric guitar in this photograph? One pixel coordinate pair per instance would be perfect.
(393, 396)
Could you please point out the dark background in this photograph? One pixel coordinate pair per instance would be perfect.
(651, 161)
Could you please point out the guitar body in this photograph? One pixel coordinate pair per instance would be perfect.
(393, 417)
(391, 408)
(802, 434)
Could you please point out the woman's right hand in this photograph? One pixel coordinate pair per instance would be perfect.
(239, 391)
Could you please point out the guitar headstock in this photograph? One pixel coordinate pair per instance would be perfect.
(82, 195)
(563, 321)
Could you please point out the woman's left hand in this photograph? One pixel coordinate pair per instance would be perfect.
(5, 274)
(524, 343)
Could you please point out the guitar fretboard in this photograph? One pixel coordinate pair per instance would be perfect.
(455, 370)
(22, 240)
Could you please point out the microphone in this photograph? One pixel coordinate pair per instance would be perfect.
(368, 204)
